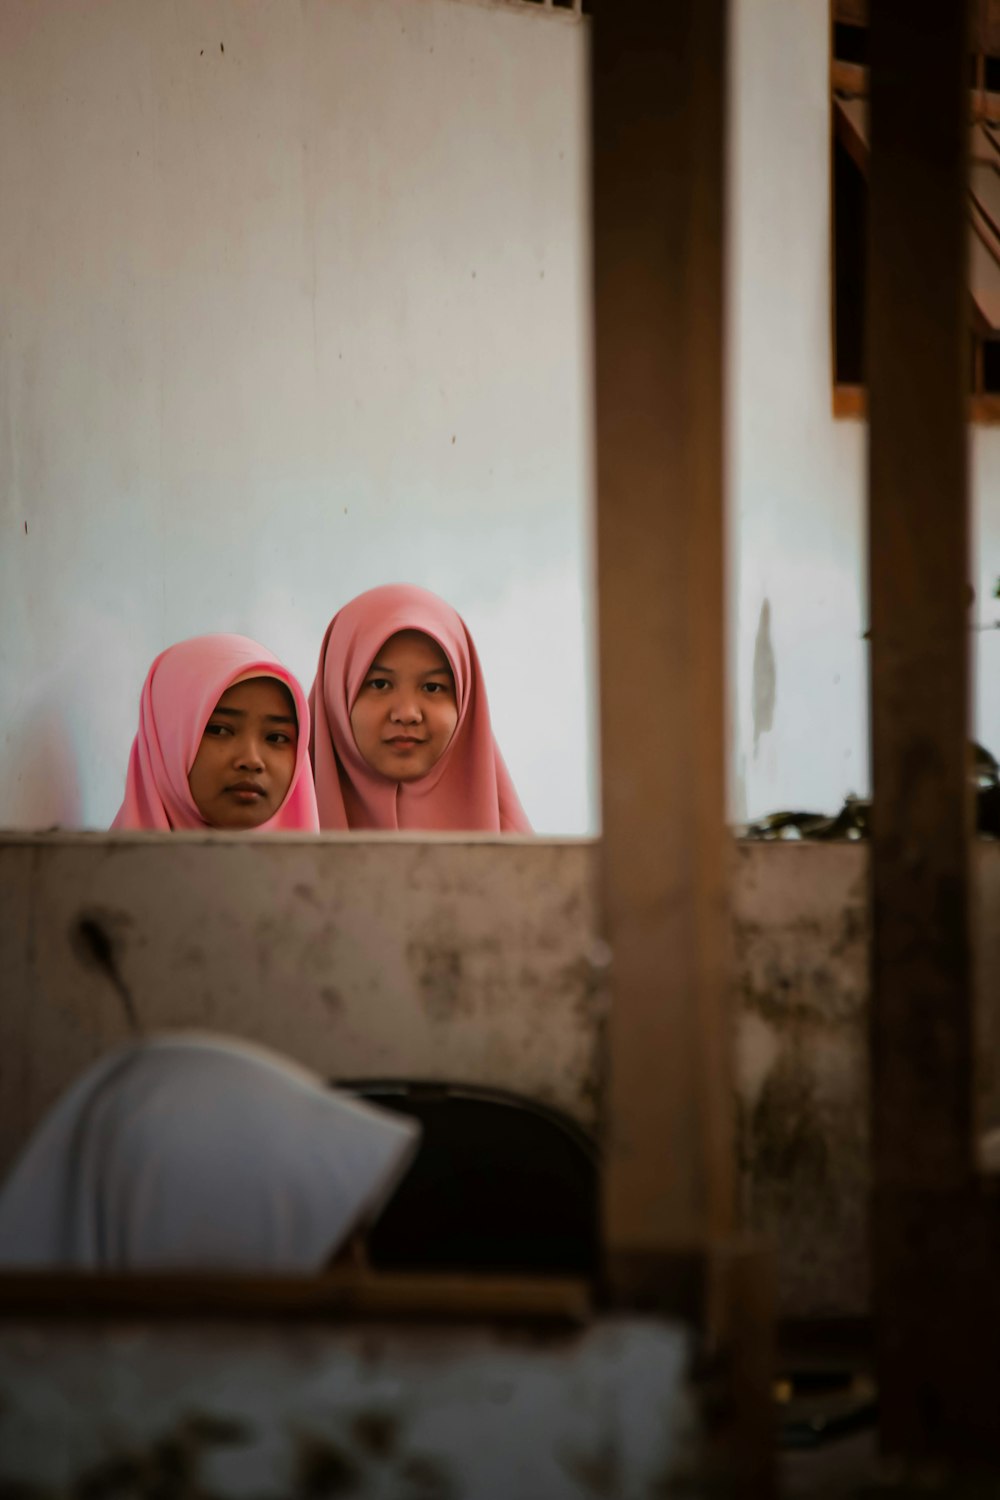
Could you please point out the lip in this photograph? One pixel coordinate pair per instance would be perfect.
(246, 791)
(404, 742)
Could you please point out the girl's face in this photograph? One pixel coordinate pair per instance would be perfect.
(406, 712)
(246, 759)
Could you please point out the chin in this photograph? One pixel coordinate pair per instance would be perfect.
(407, 772)
(237, 826)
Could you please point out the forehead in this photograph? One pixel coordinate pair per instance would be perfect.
(412, 650)
(259, 695)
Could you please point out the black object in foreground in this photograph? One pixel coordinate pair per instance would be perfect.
(499, 1184)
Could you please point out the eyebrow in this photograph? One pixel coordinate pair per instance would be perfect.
(444, 671)
(241, 713)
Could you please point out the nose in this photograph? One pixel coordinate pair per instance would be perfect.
(249, 756)
(405, 707)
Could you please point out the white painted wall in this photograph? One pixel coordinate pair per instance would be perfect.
(252, 296)
(985, 478)
(797, 476)
(294, 304)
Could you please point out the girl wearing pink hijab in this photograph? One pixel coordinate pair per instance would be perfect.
(222, 742)
(401, 735)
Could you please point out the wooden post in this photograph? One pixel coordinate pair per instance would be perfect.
(659, 89)
(926, 1227)
(658, 101)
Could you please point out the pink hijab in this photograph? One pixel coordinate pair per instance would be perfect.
(468, 789)
(179, 695)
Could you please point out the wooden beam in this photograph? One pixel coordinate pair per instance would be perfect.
(852, 79)
(658, 101)
(658, 96)
(921, 1029)
(851, 401)
(851, 12)
(341, 1295)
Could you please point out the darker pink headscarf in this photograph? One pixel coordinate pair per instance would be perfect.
(179, 695)
(468, 789)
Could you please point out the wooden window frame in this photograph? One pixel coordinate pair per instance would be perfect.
(849, 401)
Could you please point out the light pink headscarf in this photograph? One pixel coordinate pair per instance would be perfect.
(179, 696)
(468, 789)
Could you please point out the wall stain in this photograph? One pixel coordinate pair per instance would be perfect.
(323, 1470)
(94, 937)
(169, 1465)
(816, 999)
(855, 931)
(765, 677)
(437, 969)
(599, 1473)
(787, 1142)
(426, 1478)
(377, 1432)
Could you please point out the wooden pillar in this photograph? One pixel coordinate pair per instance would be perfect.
(659, 89)
(658, 122)
(926, 1236)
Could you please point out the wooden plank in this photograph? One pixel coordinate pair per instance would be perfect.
(984, 275)
(658, 101)
(851, 80)
(850, 402)
(848, 78)
(851, 12)
(338, 1294)
(985, 185)
(921, 1027)
(850, 121)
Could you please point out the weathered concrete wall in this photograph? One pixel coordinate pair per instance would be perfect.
(472, 961)
(372, 1412)
(469, 961)
(801, 949)
(802, 939)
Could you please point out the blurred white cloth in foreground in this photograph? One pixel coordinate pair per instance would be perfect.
(199, 1152)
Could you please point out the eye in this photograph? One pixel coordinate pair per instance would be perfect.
(435, 687)
(217, 730)
(278, 737)
(378, 684)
